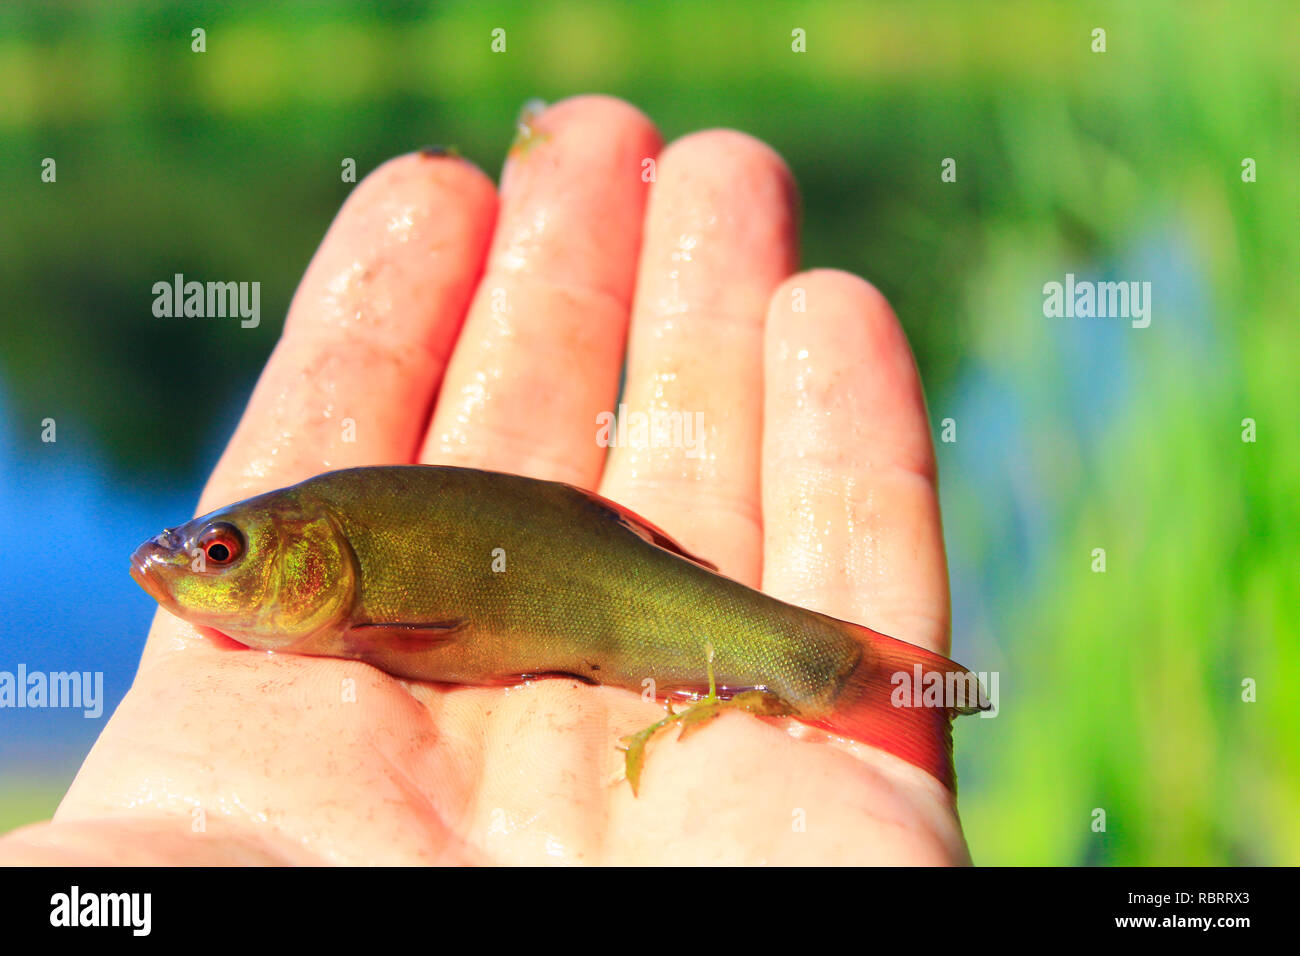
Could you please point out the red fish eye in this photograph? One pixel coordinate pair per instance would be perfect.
(221, 544)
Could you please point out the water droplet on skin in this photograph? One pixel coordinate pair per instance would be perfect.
(400, 223)
(684, 252)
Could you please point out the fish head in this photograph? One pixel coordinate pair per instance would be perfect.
(270, 572)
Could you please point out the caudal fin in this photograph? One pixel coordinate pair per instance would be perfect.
(902, 699)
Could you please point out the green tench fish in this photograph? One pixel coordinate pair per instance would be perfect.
(475, 577)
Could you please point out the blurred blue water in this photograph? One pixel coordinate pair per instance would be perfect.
(70, 520)
(1033, 430)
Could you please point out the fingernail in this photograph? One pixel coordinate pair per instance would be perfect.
(436, 152)
(526, 134)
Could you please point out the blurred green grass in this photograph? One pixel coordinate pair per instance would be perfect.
(1121, 691)
(28, 800)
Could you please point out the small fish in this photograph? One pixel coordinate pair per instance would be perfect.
(476, 577)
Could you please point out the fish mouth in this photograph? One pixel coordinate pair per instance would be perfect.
(144, 563)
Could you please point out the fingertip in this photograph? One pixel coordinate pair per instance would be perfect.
(723, 150)
(580, 127)
(835, 315)
(832, 293)
(430, 169)
(596, 108)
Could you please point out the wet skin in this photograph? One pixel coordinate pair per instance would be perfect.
(817, 485)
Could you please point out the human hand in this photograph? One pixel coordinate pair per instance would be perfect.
(817, 483)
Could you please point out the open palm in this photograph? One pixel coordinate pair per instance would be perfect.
(815, 480)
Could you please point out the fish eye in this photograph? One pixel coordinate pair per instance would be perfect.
(222, 543)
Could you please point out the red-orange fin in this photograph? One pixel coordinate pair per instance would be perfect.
(643, 528)
(402, 636)
(879, 703)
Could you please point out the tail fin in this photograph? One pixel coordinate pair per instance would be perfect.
(902, 698)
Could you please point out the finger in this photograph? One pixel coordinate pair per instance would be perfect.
(850, 511)
(720, 234)
(365, 341)
(540, 354)
(369, 330)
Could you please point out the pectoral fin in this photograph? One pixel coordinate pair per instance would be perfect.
(396, 637)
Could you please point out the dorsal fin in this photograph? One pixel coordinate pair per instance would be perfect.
(642, 528)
